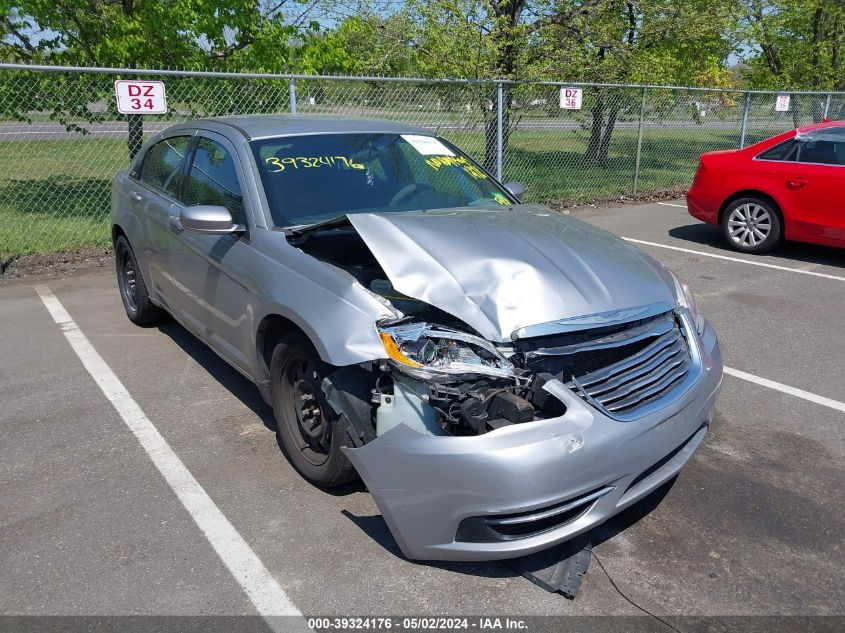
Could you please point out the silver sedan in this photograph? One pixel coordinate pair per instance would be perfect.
(502, 377)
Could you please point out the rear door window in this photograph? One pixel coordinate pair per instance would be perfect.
(822, 151)
(213, 179)
(161, 164)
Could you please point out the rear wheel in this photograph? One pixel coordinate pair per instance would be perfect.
(310, 432)
(133, 290)
(752, 225)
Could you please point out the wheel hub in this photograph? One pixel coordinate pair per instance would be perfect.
(130, 282)
(749, 224)
(308, 413)
(130, 278)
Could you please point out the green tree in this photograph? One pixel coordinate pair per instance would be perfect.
(376, 44)
(617, 41)
(256, 35)
(794, 44)
(148, 33)
(482, 40)
(682, 42)
(478, 40)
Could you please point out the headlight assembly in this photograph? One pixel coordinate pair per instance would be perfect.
(686, 299)
(425, 351)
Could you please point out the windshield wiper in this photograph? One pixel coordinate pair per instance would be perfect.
(302, 230)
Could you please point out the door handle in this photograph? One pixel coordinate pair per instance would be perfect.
(134, 196)
(175, 224)
(796, 183)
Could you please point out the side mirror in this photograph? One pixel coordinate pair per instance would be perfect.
(516, 189)
(208, 219)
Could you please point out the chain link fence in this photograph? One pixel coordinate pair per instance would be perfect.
(62, 139)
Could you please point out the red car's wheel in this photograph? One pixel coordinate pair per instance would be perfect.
(752, 225)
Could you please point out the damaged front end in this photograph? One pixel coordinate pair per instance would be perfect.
(541, 443)
(438, 376)
(478, 448)
(464, 385)
(468, 386)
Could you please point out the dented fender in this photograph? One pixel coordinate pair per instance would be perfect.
(425, 485)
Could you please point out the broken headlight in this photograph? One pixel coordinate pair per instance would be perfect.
(687, 300)
(425, 351)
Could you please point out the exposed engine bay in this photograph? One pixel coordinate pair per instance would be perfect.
(442, 377)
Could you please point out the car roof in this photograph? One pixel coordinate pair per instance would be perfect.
(824, 125)
(829, 133)
(257, 126)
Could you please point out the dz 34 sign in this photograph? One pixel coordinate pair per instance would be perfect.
(140, 97)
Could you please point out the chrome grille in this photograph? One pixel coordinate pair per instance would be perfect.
(653, 371)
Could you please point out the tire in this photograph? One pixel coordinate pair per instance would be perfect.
(133, 291)
(752, 225)
(308, 429)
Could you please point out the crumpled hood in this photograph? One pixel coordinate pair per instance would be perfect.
(500, 270)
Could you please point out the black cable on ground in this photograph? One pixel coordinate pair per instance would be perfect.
(633, 604)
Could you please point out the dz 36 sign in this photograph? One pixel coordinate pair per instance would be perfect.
(570, 98)
(140, 97)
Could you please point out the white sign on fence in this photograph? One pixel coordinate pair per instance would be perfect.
(570, 98)
(782, 103)
(140, 97)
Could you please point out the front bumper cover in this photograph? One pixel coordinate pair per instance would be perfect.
(425, 485)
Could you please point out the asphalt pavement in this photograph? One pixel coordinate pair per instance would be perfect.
(89, 526)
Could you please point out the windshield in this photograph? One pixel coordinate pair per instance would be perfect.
(317, 177)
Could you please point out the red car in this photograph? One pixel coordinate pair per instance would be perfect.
(790, 187)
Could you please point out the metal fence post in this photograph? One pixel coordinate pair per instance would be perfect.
(499, 139)
(292, 90)
(136, 133)
(639, 141)
(744, 127)
(826, 105)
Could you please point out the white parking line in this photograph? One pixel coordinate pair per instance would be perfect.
(735, 259)
(792, 391)
(262, 589)
(670, 204)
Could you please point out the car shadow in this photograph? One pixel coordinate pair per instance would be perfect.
(708, 235)
(239, 386)
(631, 515)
